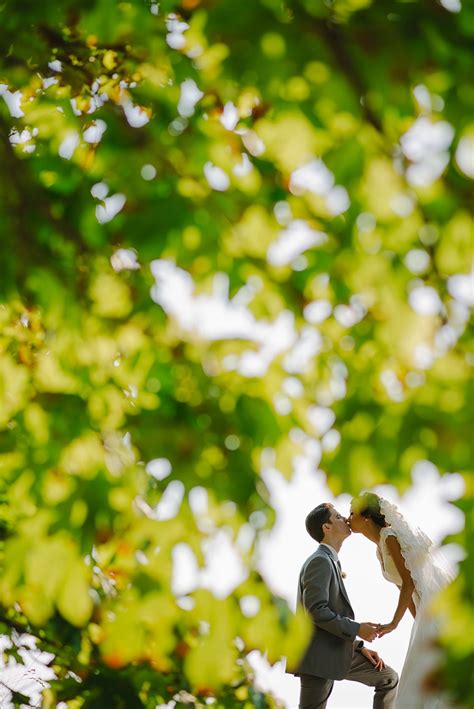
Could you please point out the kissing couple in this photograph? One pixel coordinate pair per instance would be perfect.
(336, 650)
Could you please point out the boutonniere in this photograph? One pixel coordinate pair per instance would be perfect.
(343, 574)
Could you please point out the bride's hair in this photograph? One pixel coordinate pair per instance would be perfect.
(368, 505)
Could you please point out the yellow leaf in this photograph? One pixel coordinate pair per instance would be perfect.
(109, 59)
(36, 421)
(46, 565)
(124, 637)
(289, 139)
(74, 601)
(254, 233)
(85, 456)
(11, 461)
(455, 248)
(51, 377)
(111, 296)
(212, 663)
(13, 388)
(35, 605)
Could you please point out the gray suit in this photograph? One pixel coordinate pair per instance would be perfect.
(332, 651)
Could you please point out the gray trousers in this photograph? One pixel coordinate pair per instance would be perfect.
(315, 691)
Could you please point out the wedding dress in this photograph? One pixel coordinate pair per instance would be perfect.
(429, 578)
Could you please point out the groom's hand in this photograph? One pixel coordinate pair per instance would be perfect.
(368, 631)
(373, 657)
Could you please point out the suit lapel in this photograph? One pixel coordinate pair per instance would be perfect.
(341, 582)
(338, 574)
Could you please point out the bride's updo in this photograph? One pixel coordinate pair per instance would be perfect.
(368, 505)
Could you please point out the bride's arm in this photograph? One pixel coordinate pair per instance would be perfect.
(406, 591)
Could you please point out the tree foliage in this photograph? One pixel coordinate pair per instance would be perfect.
(235, 236)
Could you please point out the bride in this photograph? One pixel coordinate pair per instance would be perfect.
(406, 559)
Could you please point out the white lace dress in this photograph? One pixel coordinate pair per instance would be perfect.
(422, 654)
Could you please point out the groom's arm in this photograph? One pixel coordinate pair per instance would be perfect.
(315, 597)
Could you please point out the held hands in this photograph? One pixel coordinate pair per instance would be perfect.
(385, 629)
(368, 631)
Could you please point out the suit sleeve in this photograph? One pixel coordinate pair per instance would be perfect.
(315, 597)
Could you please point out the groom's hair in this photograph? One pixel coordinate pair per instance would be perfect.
(315, 520)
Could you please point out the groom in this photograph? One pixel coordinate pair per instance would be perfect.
(333, 652)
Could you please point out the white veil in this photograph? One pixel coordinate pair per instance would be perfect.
(423, 563)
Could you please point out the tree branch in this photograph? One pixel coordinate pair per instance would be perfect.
(337, 45)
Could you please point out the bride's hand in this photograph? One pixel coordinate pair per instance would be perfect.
(385, 629)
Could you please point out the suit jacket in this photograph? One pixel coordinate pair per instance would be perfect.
(322, 593)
